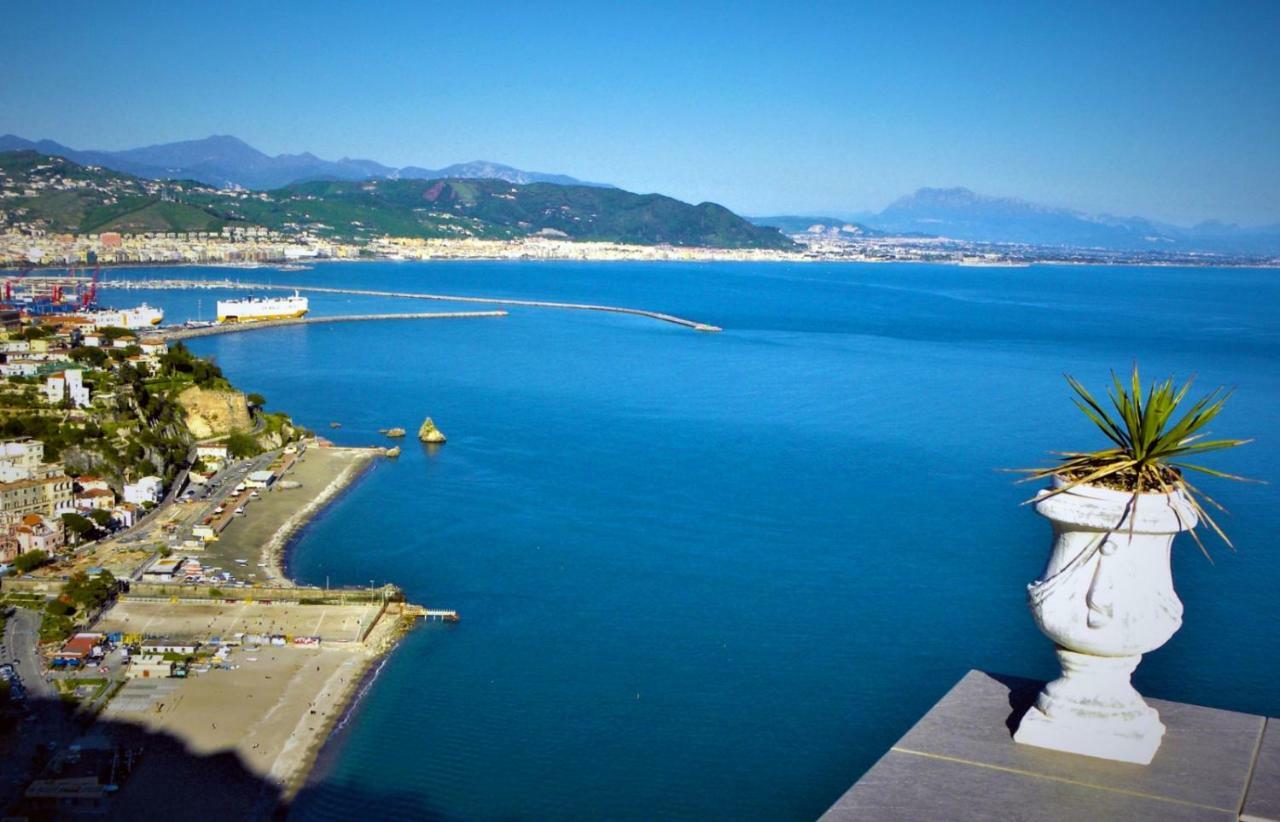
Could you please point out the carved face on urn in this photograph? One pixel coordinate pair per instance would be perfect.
(1107, 590)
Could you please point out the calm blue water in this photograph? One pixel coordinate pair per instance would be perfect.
(715, 576)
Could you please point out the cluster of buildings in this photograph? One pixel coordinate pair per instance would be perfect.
(60, 376)
(550, 247)
(34, 495)
(239, 244)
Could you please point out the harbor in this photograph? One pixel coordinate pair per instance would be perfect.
(184, 284)
(190, 332)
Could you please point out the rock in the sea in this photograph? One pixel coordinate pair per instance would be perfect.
(429, 433)
(393, 451)
(394, 432)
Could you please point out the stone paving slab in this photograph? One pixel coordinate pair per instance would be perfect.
(904, 787)
(1263, 802)
(960, 762)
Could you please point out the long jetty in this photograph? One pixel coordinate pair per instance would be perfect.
(407, 295)
(181, 333)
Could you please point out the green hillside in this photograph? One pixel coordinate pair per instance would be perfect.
(152, 214)
(58, 195)
(84, 199)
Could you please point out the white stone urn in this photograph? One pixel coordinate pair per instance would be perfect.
(1106, 598)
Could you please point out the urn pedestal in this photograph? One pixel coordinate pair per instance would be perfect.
(1105, 599)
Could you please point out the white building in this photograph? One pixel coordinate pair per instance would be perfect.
(259, 479)
(19, 368)
(154, 346)
(214, 452)
(147, 489)
(63, 383)
(20, 459)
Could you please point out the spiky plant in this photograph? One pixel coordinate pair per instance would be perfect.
(1151, 445)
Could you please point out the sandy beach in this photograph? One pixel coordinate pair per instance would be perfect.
(251, 728)
(350, 462)
(271, 713)
(261, 537)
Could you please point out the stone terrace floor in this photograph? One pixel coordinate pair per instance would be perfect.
(960, 763)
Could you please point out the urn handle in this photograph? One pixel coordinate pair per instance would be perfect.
(1101, 596)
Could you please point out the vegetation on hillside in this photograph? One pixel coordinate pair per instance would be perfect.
(483, 208)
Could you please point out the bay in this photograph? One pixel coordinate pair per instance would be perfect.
(717, 575)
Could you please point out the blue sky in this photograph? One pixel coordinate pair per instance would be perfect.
(1169, 110)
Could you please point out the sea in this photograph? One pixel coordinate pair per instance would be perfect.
(716, 576)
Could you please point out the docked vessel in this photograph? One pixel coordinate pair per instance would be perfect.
(131, 318)
(257, 309)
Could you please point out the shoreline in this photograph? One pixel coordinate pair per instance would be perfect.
(341, 699)
(328, 746)
(278, 265)
(274, 552)
(277, 708)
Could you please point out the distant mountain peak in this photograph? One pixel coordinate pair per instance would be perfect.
(962, 214)
(226, 160)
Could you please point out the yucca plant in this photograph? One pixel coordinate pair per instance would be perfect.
(1151, 444)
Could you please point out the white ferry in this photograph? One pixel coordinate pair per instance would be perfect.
(131, 318)
(255, 309)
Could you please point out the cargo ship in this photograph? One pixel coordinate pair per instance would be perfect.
(257, 309)
(131, 318)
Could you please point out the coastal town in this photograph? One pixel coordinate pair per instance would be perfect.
(145, 507)
(170, 222)
(251, 246)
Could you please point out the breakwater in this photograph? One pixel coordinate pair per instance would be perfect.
(407, 295)
(180, 333)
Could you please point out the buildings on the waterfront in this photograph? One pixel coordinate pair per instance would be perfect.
(232, 245)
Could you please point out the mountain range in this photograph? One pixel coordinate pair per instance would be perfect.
(956, 213)
(226, 161)
(961, 214)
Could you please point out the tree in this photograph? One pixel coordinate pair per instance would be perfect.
(256, 399)
(243, 446)
(113, 332)
(89, 592)
(30, 561)
(85, 354)
(101, 518)
(59, 607)
(78, 525)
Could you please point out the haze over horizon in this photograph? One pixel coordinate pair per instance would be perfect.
(1168, 113)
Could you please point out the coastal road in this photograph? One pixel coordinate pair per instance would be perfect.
(44, 720)
(20, 649)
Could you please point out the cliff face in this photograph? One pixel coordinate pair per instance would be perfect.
(213, 413)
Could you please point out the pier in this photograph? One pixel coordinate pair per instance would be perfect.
(180, 333)
(406, 295)
(430, 613)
